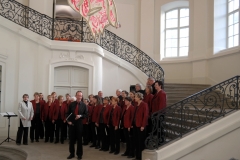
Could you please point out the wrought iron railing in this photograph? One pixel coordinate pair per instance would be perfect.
(193, 112)
(70, 30)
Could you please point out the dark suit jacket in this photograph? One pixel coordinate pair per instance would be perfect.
(159, 101)
(82, 110)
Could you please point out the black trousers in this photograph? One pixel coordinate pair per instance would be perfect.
(35, 127)
(139, 139)
(129, 142)
(104, 136)
(49, 130)
(60, 127)
(75, 132)
(22, 132)
(114, 139)
(41, 130)
(85, 133)
(94, 134)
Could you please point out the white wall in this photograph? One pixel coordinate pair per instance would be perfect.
(29, 60)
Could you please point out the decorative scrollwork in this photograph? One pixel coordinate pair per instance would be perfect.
(79, 31)
(194, 112)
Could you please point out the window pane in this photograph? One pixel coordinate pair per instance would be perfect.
(183, 51)
(184, 32)
(171, 33)
(230, 42)
(230, 19)
(235, 40)
(171, 23)
(230, 31)
(236, 29)
(172, 14)
(184, 12)
(184, 21)
(183, 42)
(230, 6)
(236, 17)
(171, 52)
(236, 4)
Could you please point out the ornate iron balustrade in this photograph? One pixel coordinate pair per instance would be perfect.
(193, 112)
(70, 30)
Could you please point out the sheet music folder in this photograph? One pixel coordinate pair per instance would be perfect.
(8, 114)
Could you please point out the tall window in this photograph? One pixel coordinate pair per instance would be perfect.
(233, 23)
(177, 32)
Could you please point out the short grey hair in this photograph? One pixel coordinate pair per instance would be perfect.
(73, 98)
(120, 90)
(151, 78)
(139, 95)
(138, 84)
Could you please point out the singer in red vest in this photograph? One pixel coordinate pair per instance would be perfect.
(77, 111)
(36, 122)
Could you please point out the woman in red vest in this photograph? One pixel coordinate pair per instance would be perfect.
(47, 118)
(114, 119)
(36, 121)
(140, 119)
(126, 123)
(60, 111)
(102, 121)
(94, 116)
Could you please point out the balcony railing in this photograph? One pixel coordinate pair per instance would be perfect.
(78, 31)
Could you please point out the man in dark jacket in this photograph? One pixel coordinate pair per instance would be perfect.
(76, 112)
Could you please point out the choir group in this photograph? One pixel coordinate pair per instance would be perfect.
(104, 123)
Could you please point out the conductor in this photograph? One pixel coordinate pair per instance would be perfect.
(76, 112)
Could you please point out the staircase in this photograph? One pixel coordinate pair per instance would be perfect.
(198, 108)
(177, 92)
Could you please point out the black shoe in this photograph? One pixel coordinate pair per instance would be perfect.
(25, 143)
(93, 145)
(105, 150)
(32, 141)
(37, 140)
(130, 156)
(56, 142)
(115, 153)
(100, 149)
(111, 151)
(70, 156)
(124, 154)
(62, 142)
(97, 147)
(51, 141)
(85, 144)
(18, 144)
(79, 158)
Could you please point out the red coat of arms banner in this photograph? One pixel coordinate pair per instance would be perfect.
(98, 13)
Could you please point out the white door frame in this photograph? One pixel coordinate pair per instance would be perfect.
(75, 64)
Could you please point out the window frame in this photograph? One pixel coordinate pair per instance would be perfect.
(178, 28)
(227, 26)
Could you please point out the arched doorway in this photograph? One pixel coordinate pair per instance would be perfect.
(69, 79)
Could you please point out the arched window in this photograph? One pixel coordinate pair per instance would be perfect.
(176, 32)
(233, 23)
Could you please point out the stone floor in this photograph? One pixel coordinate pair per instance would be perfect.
(50, 151)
